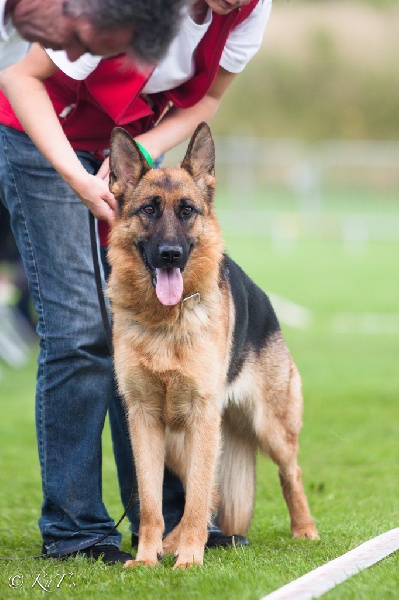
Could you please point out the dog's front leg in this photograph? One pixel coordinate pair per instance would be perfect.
(148, 441)
(202, 439)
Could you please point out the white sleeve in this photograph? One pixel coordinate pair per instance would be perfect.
(79, 69)
(245, 40)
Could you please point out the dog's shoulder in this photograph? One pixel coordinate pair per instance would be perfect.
(255, 319)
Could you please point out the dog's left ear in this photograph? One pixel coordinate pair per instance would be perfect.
(200, 157)
(127, 164)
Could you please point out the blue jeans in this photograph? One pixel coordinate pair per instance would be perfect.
(75, 384)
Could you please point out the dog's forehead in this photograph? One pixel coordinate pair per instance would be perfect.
(169, 180)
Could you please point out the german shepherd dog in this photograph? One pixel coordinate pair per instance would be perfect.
(200, 359)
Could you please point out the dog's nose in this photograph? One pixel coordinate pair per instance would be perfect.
(170, 255)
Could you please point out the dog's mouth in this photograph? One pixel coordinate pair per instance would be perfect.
(168, 282)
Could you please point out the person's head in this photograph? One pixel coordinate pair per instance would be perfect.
(143, 28)
(223, 7)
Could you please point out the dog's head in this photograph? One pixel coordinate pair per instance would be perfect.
(163, 212)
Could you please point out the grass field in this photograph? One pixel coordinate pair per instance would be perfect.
(349, 447)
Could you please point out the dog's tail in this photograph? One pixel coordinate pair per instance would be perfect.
(236, 475)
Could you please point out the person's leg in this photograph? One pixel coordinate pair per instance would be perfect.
(75, 375)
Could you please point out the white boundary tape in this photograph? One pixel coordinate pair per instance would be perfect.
(324, 578)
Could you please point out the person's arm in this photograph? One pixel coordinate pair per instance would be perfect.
(180, 123)
(23, 85)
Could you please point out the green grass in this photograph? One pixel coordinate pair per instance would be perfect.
(349, 449)
(331, 200)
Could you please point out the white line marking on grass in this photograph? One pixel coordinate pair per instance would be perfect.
(324, 578)
(369, 323)
(299, 317)
(290, 313)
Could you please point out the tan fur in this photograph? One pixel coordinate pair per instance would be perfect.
(171, 365)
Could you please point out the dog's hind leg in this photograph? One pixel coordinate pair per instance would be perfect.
(236, 475)
(148, 441)
(278, 437)
(302, 525)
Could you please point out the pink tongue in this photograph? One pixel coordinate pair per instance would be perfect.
(169, 288)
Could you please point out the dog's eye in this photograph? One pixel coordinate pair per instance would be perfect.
(187, 211)
(149, 209)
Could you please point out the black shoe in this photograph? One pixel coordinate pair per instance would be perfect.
(109, 554)
(216, 539)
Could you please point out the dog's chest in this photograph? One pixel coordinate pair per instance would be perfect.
(157, 351)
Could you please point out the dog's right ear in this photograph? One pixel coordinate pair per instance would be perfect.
(127, 164)
(199, 160)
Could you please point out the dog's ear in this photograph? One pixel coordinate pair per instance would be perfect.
(127, 164)
(200, 157)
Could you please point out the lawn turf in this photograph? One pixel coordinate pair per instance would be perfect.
(349, 449)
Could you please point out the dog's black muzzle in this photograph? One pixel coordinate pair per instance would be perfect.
(167, 255)
(170, 255)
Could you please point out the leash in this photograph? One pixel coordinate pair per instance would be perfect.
(108, 333)
(99, 286)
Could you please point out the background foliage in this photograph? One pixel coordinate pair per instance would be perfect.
(326, 70)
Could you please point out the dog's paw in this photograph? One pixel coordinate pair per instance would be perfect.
(191, 557)
(306, 532)
(187, 564)
(136, 563)
(170, 543)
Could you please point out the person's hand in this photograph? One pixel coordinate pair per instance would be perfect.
(94, 193)
(103, 171)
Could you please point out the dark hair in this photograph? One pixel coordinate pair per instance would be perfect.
(155, 22)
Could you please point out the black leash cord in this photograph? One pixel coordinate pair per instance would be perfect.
(108, 332)
(99, 285)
